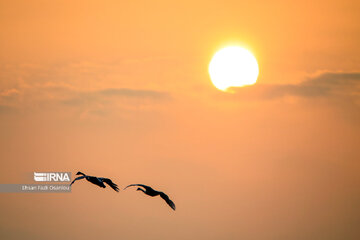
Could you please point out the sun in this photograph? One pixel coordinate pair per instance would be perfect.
(233, 67)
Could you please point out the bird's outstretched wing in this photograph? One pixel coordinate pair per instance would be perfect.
(167, 200)
(110, 183)
(78, 178)
(139, 185)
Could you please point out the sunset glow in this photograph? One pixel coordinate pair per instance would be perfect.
(180, 120)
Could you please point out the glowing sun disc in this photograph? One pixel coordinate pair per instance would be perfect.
(233, 67)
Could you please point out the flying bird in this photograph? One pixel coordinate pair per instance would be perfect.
(97, 181)
(151, 192)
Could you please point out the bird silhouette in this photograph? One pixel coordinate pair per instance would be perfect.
(97, 181)
(151, 192)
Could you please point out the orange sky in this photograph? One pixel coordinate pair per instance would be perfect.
(121, 90)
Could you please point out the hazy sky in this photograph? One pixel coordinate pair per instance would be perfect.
(122, 90)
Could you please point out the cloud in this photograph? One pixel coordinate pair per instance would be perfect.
(341, 85)
(325, 84)
(115, 94)
(83, 85)
(6, 109)
(125, 92)
(9, 92)
(101, 101)
(338, 91)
